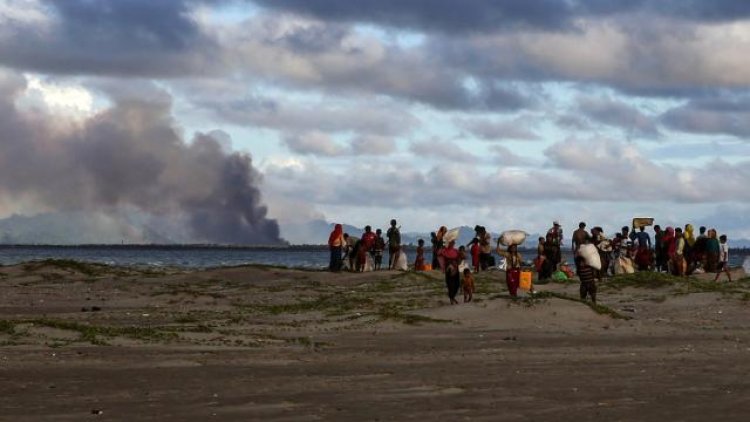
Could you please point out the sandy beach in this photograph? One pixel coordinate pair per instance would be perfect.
(90, 342)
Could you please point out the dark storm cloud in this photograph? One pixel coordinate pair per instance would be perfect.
(439, 15)
(131, 156)
(618, 114)
(124, 37)
(729, 116)
(492, 15)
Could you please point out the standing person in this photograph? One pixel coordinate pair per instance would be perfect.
(553, 243)
(670, 248)
(513, 263)
(394, 243)
(723, 258)
(689, 249)
(351, 247)
(435, 247)
(659, 249)
(449, 255)
(366, 246)
(604, 248)
(643, 251)
(378, 249)
(440, 244)
(475, 253)
(587, 275)
(712, 251)
(485, 249)
(542, 264)
(579, 237)
(680, 265)
(700, 253)
(419, 260)
(468, 285)
(336, 245)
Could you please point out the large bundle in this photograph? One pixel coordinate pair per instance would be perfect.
(512, 237)
(590, 254)
(639, 222)
(451, 235)
(401, 262)
(624, 265)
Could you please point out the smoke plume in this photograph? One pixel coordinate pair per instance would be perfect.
(130, 156)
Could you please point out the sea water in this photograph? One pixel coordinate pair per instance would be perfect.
(191, 256)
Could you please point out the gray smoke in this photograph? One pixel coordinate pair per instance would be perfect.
(130, 156)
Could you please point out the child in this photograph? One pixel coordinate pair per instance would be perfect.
(468, 285)
(419, 261)
(475, 251)
(462, 258)
(723, 258)
(377, 249)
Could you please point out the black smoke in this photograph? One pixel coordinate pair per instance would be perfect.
(130, 156)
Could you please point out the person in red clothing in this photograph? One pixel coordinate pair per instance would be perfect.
(449, 254)
(368, 243)
(670, 246)
(475, 251)
(513, 261)
(336, 244)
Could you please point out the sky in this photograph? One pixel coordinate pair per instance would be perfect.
(235, 115)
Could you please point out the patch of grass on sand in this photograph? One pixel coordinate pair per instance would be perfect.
(331, 305)
(707, 286)
(85, 268)
(643, 279)
(393, 313)
(95, 334)
(599, 309)
(7, 327)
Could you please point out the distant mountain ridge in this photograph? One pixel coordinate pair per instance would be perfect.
(76, 228)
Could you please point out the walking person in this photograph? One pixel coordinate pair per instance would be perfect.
(513, 263)
(723, 258)
(449, 255)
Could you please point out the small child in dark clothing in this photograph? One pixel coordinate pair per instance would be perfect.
(468, 285)
(587, 275)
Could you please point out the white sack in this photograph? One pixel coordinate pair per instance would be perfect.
(451, 235)
(512, 237)
(401, 262)
(590, 254)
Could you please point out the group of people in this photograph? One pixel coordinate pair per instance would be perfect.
(356, 253)
(673, 250)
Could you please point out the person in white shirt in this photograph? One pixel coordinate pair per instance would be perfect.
(723, 258)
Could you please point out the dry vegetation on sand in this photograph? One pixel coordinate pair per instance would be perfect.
(246, 343)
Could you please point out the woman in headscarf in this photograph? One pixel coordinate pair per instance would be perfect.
(336, 245)
(689, 250)
(513, 263)
(450, 257)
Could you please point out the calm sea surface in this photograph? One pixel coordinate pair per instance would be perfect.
(206, 256)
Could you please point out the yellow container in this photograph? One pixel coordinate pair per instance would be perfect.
(525, 280)
(427, 267)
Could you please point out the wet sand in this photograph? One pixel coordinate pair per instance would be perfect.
(263, 343)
